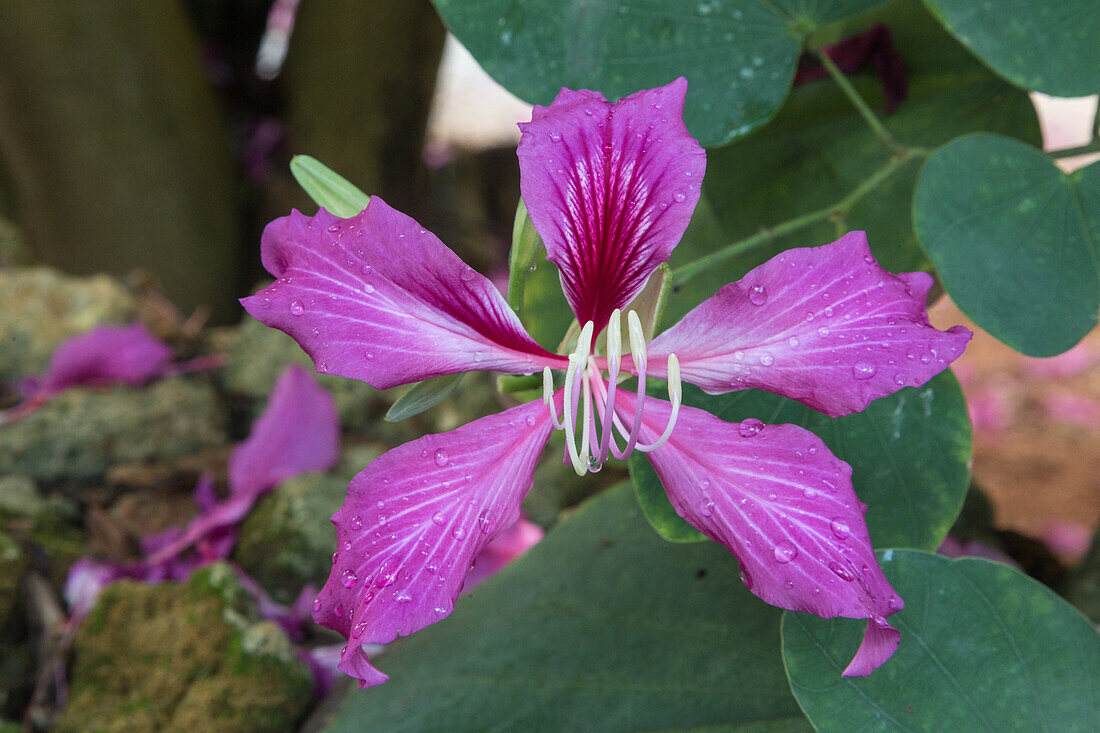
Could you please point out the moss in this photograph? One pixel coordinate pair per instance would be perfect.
(186, 656)
(82, 432)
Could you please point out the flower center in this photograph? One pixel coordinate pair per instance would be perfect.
(586, 386)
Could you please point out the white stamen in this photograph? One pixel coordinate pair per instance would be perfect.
(548, 398)
(638, 353)
(578, 362)
(675, 394)
(614, 359)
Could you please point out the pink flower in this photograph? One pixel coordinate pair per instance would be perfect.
(611, 188)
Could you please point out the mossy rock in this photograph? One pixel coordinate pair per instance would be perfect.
(288, 540)
(40, 308)
(80, 433)
(184, 657)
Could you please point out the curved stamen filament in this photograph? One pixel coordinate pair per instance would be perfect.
(675, 395)
(548, 398)
(638, 353)
(578, 362)
(614, 359)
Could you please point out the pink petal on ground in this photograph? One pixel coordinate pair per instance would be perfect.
(822, 325)
(611, 188)
(1069, 364)
(1071, 408)
(778, 499)
(378, 298)
(105, 355)
(413, 522)
(511, 543)
(299, 432)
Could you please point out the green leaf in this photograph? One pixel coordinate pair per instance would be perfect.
(818, 149)
(1014, 240)
(327, 188)
(1051, 47)
(983, 648)
(526, 245)
(656, 508)
(600, 627)
(909, 453)
(423, 396)
(739, 56)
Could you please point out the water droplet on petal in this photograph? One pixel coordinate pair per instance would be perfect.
(810, 494)
(841, 572)
(356, 522)
(339, 611)
(368, 288)
(316, 605)
(679, 197)
(869, 259)
(555, 136)
(468, 274)
(335, 556)
(402, 596)
(893, 602)
(785, 552)
(348, 578)
(485, 522)
(767, 359)
(707, 508)
(899, 379)
(745, 578)
(441, 457)
(439, 519)
(296, 308)
(793, 341)
(758, 295)
(459, 533)
(750, 427)
(840, 528)
(863, 370)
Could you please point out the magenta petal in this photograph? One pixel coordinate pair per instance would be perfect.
(880, 641)
(822, 325)
(413, 522)
(780, 501)
(611, 188)
(297, 433)
(378, 298)
(105, 355)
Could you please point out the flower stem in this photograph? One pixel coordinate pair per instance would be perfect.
(858, 102)
(836, 211)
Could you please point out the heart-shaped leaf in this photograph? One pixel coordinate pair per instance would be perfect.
(1015, 240)
(739, 56)
(983, 648)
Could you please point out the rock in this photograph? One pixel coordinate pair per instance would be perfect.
(40, 308)
(47, 527)
(187, 656)
(288, 539)
(80, 433)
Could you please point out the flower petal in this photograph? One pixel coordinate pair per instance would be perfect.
(299, 432)
(413, 522)
(880, 641)
(610, 188)
(780, 502)
(378, 298)
(822, 325)
(105, 355)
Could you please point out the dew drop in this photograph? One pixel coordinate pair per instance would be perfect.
(381, 504)
(810, 494)
(767, 359)
(925, 358)
(869, 260)
(401, 596)
(829, 311)
(758, 295)
(863, 370)
(459, 533)
(785, 552)
(348, 578)
(368, 288)
(334, 228)
(899, 379)
(745, 578)
(841, 572)
(555, 136)
(893, 602)
(707, 509)
(439, 519)
(739, 355)
(749, 428)
(840, 528)
(296, 308)
(468, 274)
(485, 522)
(316, 605)
(347, 545)
(356, 522)
(339, 611)
(441, 457)
(793, 341)
(679, 197)
(335, 556)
